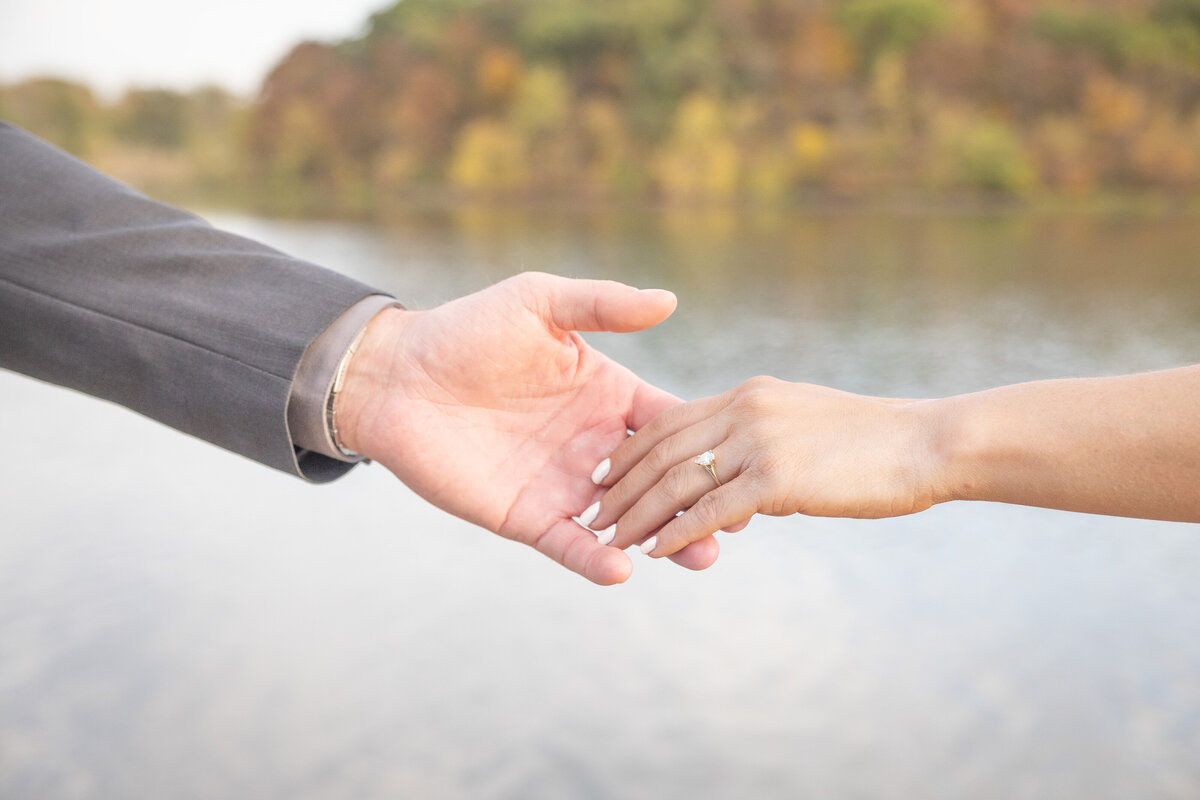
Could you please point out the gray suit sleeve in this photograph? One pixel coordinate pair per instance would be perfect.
(110, 293)
(313, 384)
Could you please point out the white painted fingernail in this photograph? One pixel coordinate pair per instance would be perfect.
(649, 545)
(607, 535)
(589, 516)
(601, 471)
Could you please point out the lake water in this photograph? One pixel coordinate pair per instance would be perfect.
(179, 623)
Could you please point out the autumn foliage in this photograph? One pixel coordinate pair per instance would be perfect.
(718, 101)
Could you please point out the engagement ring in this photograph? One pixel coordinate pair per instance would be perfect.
(708, 460)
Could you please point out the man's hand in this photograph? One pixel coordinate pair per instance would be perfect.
(493, 408)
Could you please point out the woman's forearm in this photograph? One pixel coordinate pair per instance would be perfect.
(1128, 446)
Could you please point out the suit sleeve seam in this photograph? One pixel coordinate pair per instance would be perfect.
(120, 320)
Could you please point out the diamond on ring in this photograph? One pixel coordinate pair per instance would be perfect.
(708, 460)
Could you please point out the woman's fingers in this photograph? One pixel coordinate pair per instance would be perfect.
(671, 421)
(673, 455)
(679, 488)
(722, 507)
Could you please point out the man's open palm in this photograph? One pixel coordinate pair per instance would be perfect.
(493, 408)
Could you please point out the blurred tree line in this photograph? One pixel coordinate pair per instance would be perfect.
(180, 146)
(686, 101)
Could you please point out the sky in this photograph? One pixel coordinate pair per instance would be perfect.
(114, 44)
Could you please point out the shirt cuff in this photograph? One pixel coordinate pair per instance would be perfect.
(315, 373)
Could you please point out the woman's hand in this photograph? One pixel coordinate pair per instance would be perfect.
(781, 448)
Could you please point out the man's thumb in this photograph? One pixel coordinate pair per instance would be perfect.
(591, 305)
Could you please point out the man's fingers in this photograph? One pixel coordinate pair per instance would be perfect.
(576, 549)
(698, 555)
(648, 402)
(589, 305)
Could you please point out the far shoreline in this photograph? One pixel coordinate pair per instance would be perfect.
(916, 204)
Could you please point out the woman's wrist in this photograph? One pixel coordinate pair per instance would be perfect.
(961, 436)
(938, 457)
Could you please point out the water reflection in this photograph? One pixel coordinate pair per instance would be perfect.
(175, 622)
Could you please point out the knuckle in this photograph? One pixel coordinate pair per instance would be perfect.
(666, 420)
(535, 289)
(759, 382)
(771, 470)
(530, 278)
(757, 395)
(675, 484)
(522, 282)
(708, 510)
(614, 501)
(661, 458)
